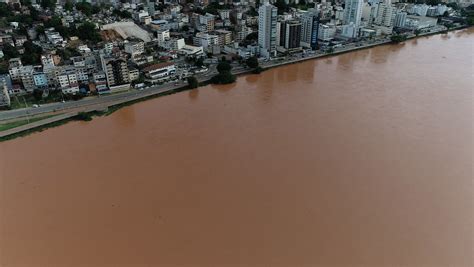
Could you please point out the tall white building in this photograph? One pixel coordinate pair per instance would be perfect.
(385, 15)
(353, 12)
(309, 28)
(400, 19)
(267, 29)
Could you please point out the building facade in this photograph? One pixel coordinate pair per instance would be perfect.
(267, 29)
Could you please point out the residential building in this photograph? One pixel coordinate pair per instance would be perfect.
(27, 79)
(419, 9)
(67, 80)
(326, 32)
(135, 48)
(54, 37)
(40, 80)
(400, 19)
(133, 74)
(4, 94)
(205, 40)
(162, 36)
(353, 12)
(206, 23)
(191, 51)
(385, 15)
(116, 71)
(350, 30)
(47, 61)
(290, 35)
(14, 68)
(224, 37)
(100, 81)
(418, 22)
(267, 29)
(159, 71)
(309, 29)
(241, 32)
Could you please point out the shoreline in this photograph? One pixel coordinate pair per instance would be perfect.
(130, 98)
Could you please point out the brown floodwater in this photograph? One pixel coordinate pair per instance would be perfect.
(362, 159)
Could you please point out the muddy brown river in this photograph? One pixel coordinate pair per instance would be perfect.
(362, 159)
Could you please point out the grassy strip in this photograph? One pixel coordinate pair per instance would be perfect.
(36, 129)
(10, 125)
(112, 109)
(87, 116)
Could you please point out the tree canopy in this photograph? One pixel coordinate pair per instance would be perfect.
(223, 66)
(252, 62)
(88, 31)
(225, 75)
(32, 53)
(192, 82)
(48, 4)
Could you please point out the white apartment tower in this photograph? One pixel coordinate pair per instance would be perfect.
(385, 14)
(400, 19)
(353, 12)
(267, 29)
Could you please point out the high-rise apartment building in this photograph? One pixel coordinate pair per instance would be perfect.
(309, 29)
(267, 30)
(290, 35)
(116, 71)
(353, 12)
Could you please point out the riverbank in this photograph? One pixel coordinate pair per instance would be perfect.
(129, 98)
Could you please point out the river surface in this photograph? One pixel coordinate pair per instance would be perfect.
(362, 159)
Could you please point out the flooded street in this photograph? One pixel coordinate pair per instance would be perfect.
(360, 159)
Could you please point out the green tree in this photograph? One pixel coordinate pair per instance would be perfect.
(225, 75)
(53, 22)
(32, 53)
(252, 62)
(123, 14)
(282, 6)
(84, 7)
(224, 66)
(38, 94)
(453, 5)
(5, 10)
(257, 70)
(3, 67)
(223, 78)
(199, 62)
(69, 6)
(192, 82)
(397, 38)
(9, 51)
(25, 2)
(252, 11)
(433, 2)
(88, 31)
(48, 4)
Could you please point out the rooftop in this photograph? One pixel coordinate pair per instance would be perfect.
(158, 66)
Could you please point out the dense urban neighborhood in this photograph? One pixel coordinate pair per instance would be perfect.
(62, 51)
